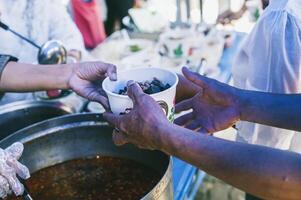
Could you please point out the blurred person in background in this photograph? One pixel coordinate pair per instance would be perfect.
(40, 21)
(269, 60)
(116, 11)
(228, 15)
(88, 18)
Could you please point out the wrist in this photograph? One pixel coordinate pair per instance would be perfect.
(68, 73)
(166, 134)
(243, 104)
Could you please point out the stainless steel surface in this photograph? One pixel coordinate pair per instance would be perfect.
(76, 136)
(52, 52)
(18, 115)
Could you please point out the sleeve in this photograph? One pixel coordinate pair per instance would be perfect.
(63, 28)
(285, 59)
(273, 56)
(276, 49)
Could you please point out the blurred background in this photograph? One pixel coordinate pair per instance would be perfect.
(201, 34)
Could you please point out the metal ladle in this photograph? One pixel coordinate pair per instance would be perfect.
(52, 52)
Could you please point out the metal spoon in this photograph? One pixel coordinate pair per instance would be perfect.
(52, 52)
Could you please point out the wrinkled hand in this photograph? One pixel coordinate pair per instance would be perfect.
(185, 89)
(10, 168)
(87, 77)
(214, 108)
(141, 125)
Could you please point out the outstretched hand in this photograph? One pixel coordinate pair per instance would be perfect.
(87, 77)
(214, 108)
(140, 126)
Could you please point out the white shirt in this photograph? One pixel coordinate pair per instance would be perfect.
(270, 61)
(40, 21)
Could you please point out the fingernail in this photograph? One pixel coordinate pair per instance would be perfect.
(131, 82)
(114, 77)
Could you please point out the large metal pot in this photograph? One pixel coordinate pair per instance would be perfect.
(18, 115)
(77, 136)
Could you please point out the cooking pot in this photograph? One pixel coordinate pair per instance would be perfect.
(18, 115)
(84, 135)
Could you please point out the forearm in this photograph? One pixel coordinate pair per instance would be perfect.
(18, 77)
(278, 110)
(265, 172)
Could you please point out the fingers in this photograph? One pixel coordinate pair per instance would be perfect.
(15, 184)
(103, 101)
(119, 138)
(196, 78)
(184, 105)
(112, 118)
(134, 91)
(194, 125)
(112, 72)
(15, 150)
(4, 187)
(19, 168)
(203, 131)
(181, 121)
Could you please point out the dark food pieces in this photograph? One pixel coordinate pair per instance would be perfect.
(152, 87)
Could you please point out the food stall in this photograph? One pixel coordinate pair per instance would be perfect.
(151, 41)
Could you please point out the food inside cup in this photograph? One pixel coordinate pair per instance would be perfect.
(148, 87)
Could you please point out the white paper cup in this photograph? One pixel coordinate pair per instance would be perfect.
(166, 98)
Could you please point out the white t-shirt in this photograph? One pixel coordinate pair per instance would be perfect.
(270, 61)
(40, 21)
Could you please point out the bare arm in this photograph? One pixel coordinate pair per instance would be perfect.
(218, 106)
(18, 77)
(83, 78)
(278, 110)
(261, 171)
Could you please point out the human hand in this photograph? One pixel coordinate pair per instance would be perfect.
(140, 126)
(10, 168)
(214, 108)
(86, 80)
(185, 89)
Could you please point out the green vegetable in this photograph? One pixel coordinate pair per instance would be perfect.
(135, 48)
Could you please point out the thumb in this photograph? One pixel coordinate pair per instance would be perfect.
(196, 78)
(119, 138)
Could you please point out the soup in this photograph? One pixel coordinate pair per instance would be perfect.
(97, 178)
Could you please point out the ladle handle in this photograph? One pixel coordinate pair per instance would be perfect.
(25, 195)
(6, 27)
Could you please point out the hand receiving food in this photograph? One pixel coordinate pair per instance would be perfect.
(87, 77)
(140, 125)
(10, 168)
(214, 108)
